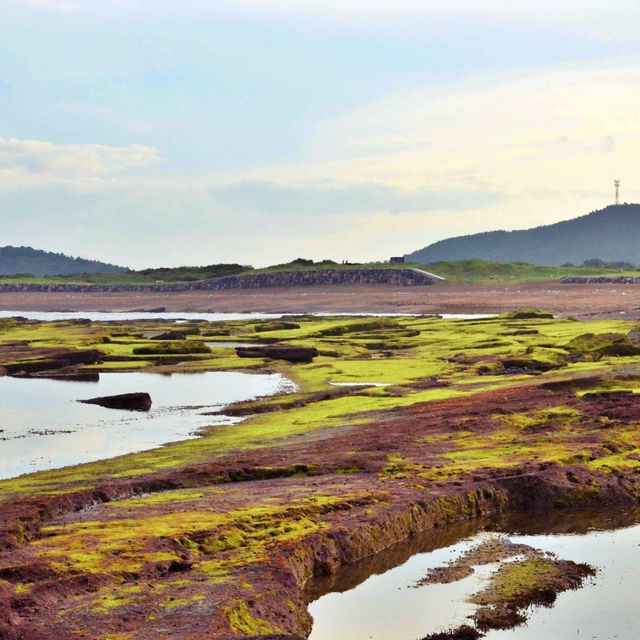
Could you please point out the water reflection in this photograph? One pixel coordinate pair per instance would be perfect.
(42, 426)
(372, 600)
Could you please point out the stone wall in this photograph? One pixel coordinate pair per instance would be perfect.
(316, 277)
(601, 280)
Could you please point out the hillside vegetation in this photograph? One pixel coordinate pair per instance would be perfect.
(34, 262)
(189, 274)
(610, 234)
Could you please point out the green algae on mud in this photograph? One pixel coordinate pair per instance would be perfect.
(228, 528)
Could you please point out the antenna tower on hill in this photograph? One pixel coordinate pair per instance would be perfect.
(616, 184)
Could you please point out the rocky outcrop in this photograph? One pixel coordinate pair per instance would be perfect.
(138, 401)
(314, 277)
(279, 352)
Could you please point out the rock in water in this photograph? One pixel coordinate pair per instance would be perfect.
(138, 401)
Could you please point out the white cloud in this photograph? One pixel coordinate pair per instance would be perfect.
(563, 129)
(545, 146)
(31, 161)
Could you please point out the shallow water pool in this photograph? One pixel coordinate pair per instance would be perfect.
(42, 426)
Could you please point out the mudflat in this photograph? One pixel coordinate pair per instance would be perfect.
(218, 537)
(582, 300)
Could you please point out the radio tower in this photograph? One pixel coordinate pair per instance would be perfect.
(616, 184)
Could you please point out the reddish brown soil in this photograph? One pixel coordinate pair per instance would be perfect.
(600, 300)
(380, 504)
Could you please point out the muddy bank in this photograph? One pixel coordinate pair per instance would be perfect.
(600, 280)
(592, 300)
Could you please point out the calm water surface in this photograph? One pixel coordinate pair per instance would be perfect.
(376, 602)
(42, 426)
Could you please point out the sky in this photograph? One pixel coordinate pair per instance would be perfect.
(165, 132)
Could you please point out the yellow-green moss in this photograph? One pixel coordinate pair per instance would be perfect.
(241, 620)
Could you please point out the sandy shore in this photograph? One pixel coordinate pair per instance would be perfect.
(602, 300)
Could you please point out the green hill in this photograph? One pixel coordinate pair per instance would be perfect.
(611, 234)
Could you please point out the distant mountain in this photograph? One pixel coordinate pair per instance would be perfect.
(611, 234)
(25, 260)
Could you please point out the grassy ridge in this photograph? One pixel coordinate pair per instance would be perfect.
(454, 271)
(483, 271)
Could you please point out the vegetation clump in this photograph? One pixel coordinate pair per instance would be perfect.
(528, 314)
(602, 344)
(242, 620)
(464, 632)
(382, 324)
(520, 584)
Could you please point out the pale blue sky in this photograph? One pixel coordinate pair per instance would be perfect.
(163, 132)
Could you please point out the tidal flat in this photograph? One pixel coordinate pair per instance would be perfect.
(221, 535)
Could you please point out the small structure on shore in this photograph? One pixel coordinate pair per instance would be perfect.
(396, 260)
